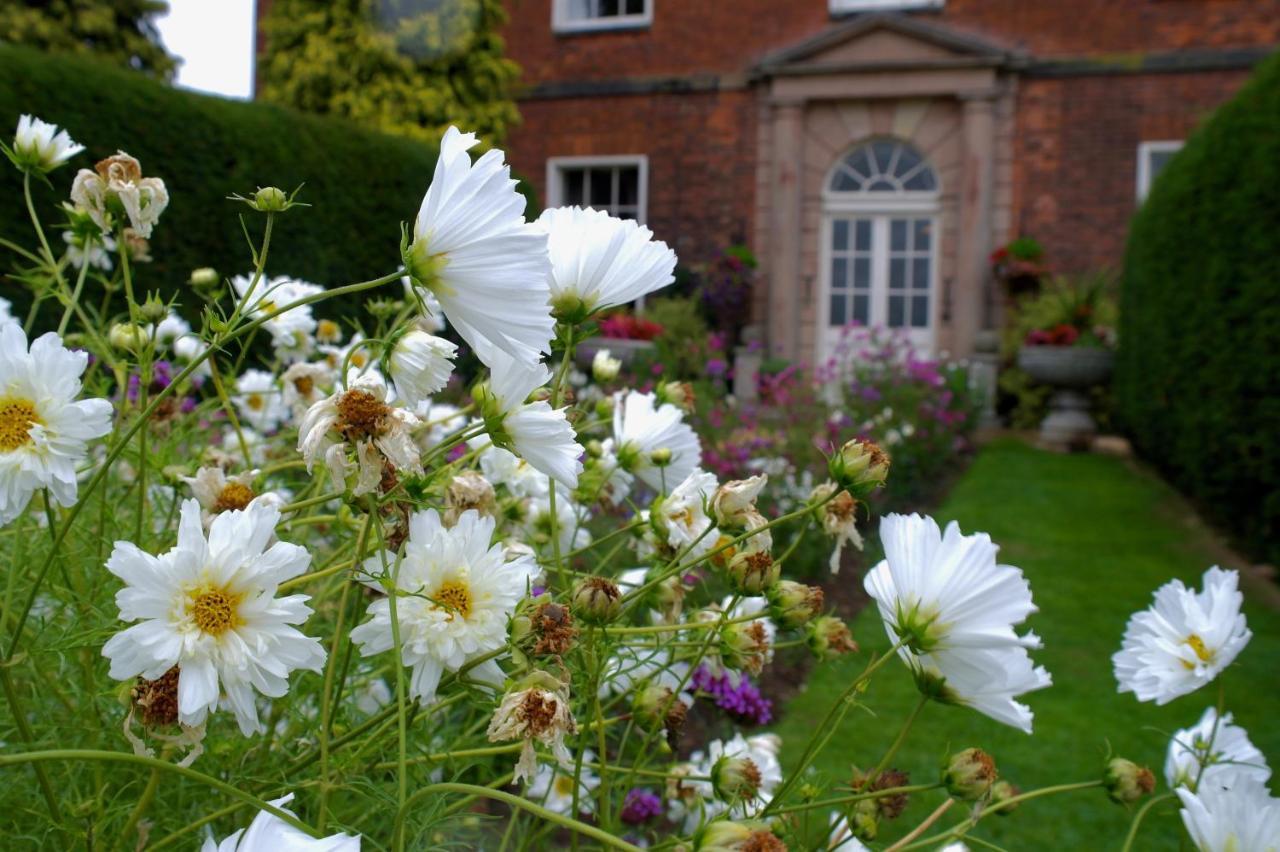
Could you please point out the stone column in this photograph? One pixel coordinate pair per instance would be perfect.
(785, 228)
(977, 176)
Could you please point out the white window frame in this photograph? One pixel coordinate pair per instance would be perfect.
(561, 22)
(840, 7)
(556, 167)
(1145, 150)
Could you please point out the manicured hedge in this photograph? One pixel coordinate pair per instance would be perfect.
(1198, 380)
(361, 184)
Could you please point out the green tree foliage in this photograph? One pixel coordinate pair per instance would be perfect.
(410, 67)
(120, 31)
(1199, 362)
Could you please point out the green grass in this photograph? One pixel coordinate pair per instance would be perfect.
(1096, 536)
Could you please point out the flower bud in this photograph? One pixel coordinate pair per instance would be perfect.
(969, 774)
(725, 836)
(1126, 781)
(751, 572)
(604, 367)
(679, 394)
(735, 779)
(660, 457)
(596, 600)
(829, 637)
(126, 336)
(744, 646)
(270, 199)
(864, 820)
(859, 467)
(205, 276)
(793, 605)
(594, 448)
(153, 310)
(1001, 792)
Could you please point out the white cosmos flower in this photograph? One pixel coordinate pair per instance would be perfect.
(209, 607)
(537, 433)
(44, 429)
(598, 261)
(305, 384)
(1210, 749)
(572, 519)
(171, 328)
(93, 250)
(216, 492)
(762, 750)
(41, 146)
(1184, 640)
(292, 332)
(953, 608)
(682, 515)
(269, 833)
(552, 787)
(604, 367)
(1236, 813)
(6, 311)
(476, 254)
(640, 428)
(502, 467)
(259, 401)
(420, 365)
(458, 591)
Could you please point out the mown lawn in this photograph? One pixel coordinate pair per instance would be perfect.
(1095, 536)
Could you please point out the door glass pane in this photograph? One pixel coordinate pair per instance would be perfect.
(897, 234)
(840, 235)
(844, 181)
(839, 272)
(838, 309)
(896, 308)
(920, 273)
(922, 233)
(920, 311)
(862, 309)
(897, 273)
(862, 273)
(863, 235)
(921, 181)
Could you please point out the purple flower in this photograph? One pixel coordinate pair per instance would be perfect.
(640, 806)
(716, 367)
(735, 694)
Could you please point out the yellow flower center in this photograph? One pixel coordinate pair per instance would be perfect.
(564, 785)
(1197, 644)
(17, 416)
(359, 359)
(234, 495)
(255, 401)
(327, 330)
(455, 596)
(214, 610)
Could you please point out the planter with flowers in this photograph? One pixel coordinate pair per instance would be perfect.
(1070, 347)
(627, 337)
(1019, 266)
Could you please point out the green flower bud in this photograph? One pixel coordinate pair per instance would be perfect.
(205, 276)
(859, 467)
(1001, 792)
(725, 836)
(735, 779)
(793, 605)
(660, 457)
(864, 820)
(751, 572)
(596, 600)
(1126, 781)
(153, 310)
(829, 637)
(126, 336)
(969, 774)
(269, 199)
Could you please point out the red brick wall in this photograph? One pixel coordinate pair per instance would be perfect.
(1075, 154)
(700, 148)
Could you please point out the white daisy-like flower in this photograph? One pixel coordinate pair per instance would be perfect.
(702, 806)
(1211, 748)
(641, 429)
(209, 607)
(420, 365)
(94, 251)
(269, 833)
(217, 493)
(259, 401)
(953, 609)
(599, 262)
(473, 250)
(537, 713)
(170, 329)
(1184, 640)
(44, 429)
(502, 467)
(537, 433)
(119, 178)
(440, 421)
(292, 332)
(40, 146)
(572, 520)
(682, 515)
(604, 367)
(552, 787)
(359, 418)
(6, 311)
(306, 383)
(355, 354)
(456, 593)
(1236, 813)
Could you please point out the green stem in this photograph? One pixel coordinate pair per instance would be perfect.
(901, 738)
(858, 797)
(24, 729)
(75, 297)
(1139, 817)
(148, 793)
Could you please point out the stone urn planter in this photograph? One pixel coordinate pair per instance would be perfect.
(1071, 370)
(619, 347)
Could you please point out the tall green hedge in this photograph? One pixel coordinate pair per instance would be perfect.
(1198, 379)
(361, 184)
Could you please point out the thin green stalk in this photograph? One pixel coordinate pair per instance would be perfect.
(24, 730)
(144, 802)
(858, 797)
(901, 738)
(75, 298)
(1138, 817)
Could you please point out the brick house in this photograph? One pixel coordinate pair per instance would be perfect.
(873, 152)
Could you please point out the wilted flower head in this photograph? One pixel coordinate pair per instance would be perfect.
(537, 713)
(734, 502)
(115, 190)
(596, 600)
(420, 364)
(969, 774)
(1126, 781)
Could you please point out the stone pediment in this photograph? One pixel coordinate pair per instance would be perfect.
(887, 42)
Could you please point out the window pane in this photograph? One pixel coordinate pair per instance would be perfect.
(600, 188)
(844, 181)
(635, 7)
(608, 8)
(908, 159)
(923, 230)
(861, 309)
(920, 311)
(626, 212)
(580, 9)
(897, 234)
(838, 316)
(921, 181)
(862, 273)
(628, 185)
(920, 273)
(862, 241)
(881, 185)
(897, 273)
(883, 152)
(573, 179)
(840, 235)
(895, 311)
(839, 272)
(859, 162)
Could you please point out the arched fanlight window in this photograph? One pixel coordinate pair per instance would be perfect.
(883, 165)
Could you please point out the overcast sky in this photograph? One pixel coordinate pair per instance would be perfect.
(214, 40)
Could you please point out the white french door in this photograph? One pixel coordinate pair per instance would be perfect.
(879, 269)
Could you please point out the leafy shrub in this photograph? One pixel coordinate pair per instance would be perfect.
(1199, 364)
(683, 329)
